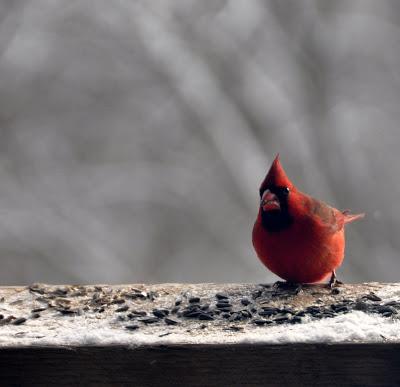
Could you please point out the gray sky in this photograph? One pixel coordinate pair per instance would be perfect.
(135, 134)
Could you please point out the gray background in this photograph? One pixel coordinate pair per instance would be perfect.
(134, 134)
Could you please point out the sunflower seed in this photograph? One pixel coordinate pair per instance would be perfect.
(149, 320)
(19, 321)
(170, 321)
(132, 327)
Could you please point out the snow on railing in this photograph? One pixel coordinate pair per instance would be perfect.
(200, 334)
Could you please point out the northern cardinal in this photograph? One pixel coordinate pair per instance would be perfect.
(299, 238)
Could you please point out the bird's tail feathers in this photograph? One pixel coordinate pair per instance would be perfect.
(348, 218)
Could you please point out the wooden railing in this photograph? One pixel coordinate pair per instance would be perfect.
(200, 335)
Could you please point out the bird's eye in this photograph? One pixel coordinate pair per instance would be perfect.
(286, 190)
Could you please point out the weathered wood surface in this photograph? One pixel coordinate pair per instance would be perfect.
(204, 365)
(183, 334)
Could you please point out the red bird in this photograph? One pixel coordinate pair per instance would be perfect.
(299, 238)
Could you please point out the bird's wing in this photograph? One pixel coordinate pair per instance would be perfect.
(326, 216)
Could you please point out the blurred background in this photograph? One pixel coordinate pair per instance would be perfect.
(135, 134)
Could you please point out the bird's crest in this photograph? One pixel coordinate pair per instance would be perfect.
(276, 176)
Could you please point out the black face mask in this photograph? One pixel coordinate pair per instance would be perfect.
(277, 220)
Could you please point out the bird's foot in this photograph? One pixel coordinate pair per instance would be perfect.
(289, 286)
(333, 282)
(279, 284)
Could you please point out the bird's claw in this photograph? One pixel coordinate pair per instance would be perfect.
(285, 285)
(279, 284)
(333, 282)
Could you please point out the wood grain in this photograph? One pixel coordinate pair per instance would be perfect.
(204, 365)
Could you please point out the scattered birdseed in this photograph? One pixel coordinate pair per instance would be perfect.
(43, 299)
(152, 295)
(245, 301)
(132, 327)
(256, 294)
(19, 321)
(286, 310)
(253, 306)
(36, 289)
(136, 295)
(192, 314)
(245, 313)
(228, 309)
(170, 321)
(60, 292)
(233, 328)
(270, 308)
(372, 297)
(392, 303)
(235, 317)
(280, 320)
(122, 308)
(385, 309)
(149, 320)
(160, 313)
(118, 301)
(223, 301)
(260, 322)
(221, 305)
(266, 313)
(69, 312)
(138, 313)
(7, 320)
(16, 302)
(360, 305)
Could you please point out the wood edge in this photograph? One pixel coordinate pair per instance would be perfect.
(203, 346)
